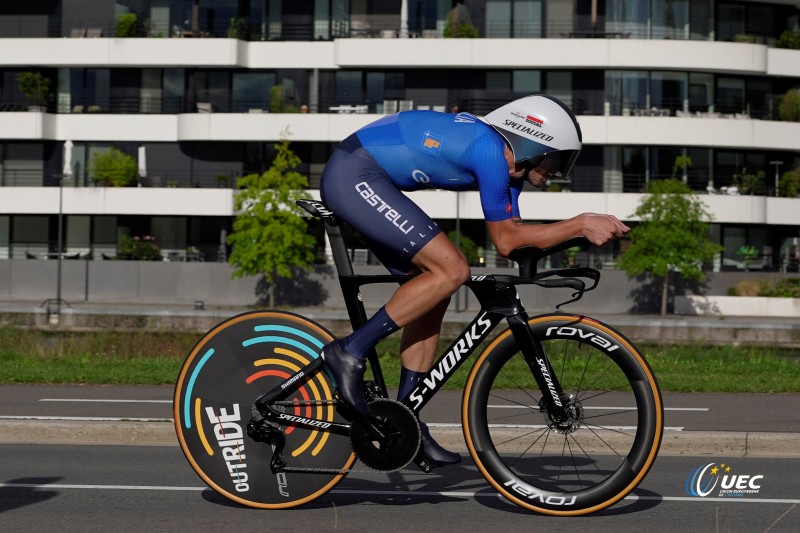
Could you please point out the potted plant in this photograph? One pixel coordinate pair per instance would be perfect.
(36, 89)
(127, 25)
(114, 168)
(789, 106)
(139, 248)
(747, 253)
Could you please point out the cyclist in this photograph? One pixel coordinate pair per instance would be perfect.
(529, 139)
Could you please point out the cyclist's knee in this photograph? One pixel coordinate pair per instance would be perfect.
(455, 274)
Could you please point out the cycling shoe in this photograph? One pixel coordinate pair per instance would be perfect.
(348, 372)
(433, 452)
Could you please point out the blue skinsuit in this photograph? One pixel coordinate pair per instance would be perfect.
(409, 151)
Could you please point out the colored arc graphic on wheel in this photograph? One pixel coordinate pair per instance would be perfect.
(292, 349)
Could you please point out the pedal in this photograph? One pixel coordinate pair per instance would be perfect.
(423, 465)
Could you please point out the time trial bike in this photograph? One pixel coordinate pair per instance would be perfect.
(561, 413)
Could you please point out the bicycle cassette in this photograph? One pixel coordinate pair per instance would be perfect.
(401, 436)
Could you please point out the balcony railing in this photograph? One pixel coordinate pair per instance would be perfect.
(364, 25)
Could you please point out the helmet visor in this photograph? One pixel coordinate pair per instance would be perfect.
(552, 165)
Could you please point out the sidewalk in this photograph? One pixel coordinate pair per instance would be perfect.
(780, 331)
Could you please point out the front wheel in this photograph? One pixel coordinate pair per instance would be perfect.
(549, 464)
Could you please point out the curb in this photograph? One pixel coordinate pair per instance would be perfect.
(122, 433)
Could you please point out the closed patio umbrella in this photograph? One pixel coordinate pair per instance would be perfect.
(142, 158)
(66, 171)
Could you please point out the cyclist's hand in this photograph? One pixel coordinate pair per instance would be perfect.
(599, 229)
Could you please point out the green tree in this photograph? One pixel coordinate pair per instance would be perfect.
(789, 183)
(269, 236)
(789, 106)
(35, 88)
(114, 168)
(127, 25)
(468, 247)
(671, 237)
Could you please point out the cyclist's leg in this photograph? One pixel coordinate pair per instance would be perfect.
(417, 350)
(355, 188)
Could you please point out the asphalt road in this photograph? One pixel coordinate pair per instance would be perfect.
(684, 412)
(103, 487)
(151, 488)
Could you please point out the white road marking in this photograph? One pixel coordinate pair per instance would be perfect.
(447, 494)
(85, 418)
(101, 400)
(599, 408)
(542, 426)
(172, 420)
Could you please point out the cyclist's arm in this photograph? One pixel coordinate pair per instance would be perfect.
(508, 235)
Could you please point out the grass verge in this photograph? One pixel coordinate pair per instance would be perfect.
(116, 357)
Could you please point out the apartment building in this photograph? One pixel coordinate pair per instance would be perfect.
(199, 91)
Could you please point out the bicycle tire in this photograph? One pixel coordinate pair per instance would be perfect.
(569, 471)
(232, 365)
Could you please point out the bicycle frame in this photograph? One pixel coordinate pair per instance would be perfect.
(499, 300)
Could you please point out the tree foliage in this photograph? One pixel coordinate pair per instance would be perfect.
(269, 235)
(671, 237)
(114, 168)
(468, 246)
(34, 87)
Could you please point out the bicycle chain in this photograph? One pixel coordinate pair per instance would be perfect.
(319, 470)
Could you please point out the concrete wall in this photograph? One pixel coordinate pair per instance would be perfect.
(167, 283)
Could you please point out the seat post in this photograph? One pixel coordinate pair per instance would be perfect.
(340, 258)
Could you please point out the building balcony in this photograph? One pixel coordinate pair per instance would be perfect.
(686, 131)
(144, 201)
(706, 56)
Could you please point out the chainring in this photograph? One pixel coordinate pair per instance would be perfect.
(399, 424)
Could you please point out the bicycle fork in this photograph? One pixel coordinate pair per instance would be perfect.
(553, 397)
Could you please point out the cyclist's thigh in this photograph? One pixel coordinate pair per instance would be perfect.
(359, 192)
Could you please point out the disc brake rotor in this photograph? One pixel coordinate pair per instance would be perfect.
(401, 430)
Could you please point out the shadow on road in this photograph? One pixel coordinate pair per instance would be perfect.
(24, 491)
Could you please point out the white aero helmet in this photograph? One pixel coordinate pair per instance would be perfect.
(541, 131)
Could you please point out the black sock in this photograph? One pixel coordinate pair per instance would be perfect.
(408, 380)
(371, 333)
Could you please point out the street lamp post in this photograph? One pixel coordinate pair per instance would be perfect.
(777, 166)
(55, 314)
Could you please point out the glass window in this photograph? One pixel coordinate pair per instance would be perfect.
(348, 87)
(760, 98)
(626, 91)
(525, 82)
(730, 21)
(498, 80)
(322, 16)
(559, 17)
(527, 18)
(701, 92)
(216, 15)
(212, 87)
(375, 83)
(668, 90)
(251, 90)
(634, 169)
(699, 176)
(174, 92)
(670, 19)
(559, 84)
(624, 16)
(701, 20)
(727, 164)
(5, 224)
(498, 18)
(31, 234)
(662, 162)
(730, 96)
